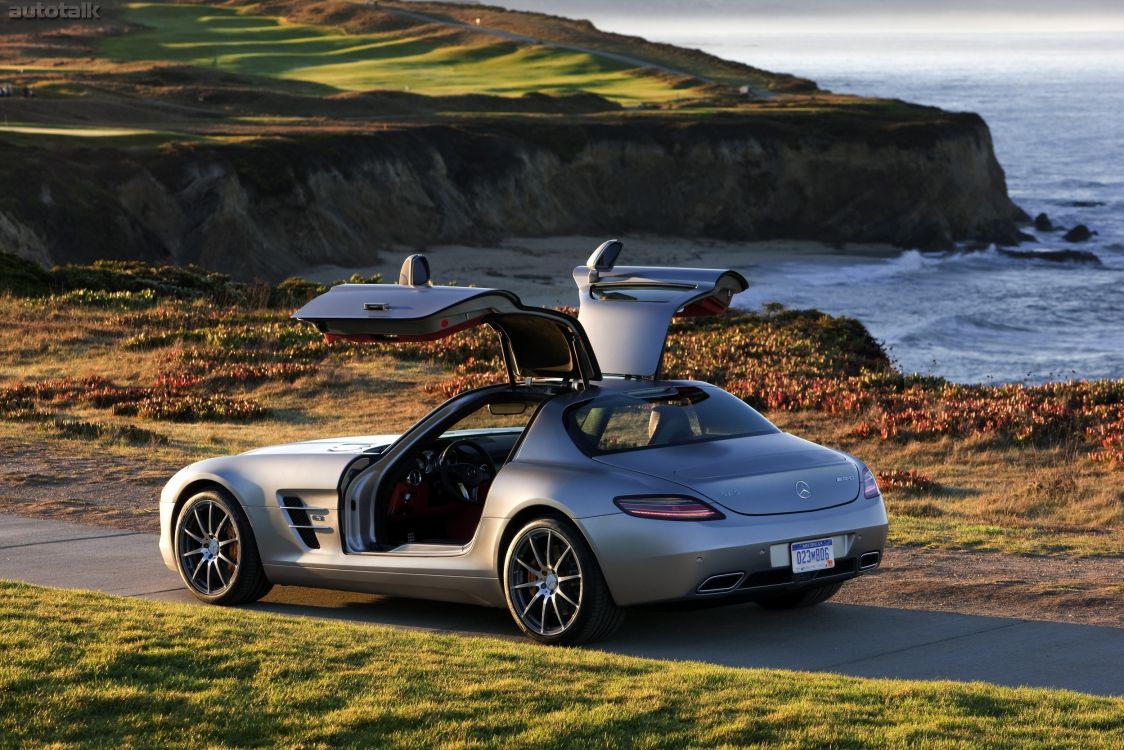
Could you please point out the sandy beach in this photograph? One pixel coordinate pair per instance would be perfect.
(539, 269)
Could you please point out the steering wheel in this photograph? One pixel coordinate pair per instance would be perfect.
(460, 474)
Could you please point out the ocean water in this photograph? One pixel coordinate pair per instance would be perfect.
(1055, 106)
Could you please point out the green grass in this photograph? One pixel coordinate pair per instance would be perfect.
(29, 134)
(434, 62)
(85, 669)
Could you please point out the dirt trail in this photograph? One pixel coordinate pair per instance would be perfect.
(1060, 589)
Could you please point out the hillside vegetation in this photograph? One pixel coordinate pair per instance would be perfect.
(203, 67)
(260, 139)
(429, 59)
(111, 355)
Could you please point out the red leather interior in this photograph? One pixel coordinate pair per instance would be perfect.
(429, 513)
(466, 516)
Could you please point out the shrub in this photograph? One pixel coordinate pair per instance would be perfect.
(109, 283)
(111, 433)
(176, 407)
(22, 277)
(296, 291)
(178, 282)
(101, 298)
(905, 479)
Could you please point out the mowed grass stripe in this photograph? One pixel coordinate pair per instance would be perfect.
(428, 60)
(82, 668)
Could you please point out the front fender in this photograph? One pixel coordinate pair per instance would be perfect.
(254, 480)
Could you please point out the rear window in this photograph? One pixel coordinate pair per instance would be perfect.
(659, 417)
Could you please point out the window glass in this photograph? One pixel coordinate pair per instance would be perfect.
(498, 416)
(657, 417)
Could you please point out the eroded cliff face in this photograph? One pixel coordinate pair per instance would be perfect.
(271, 208)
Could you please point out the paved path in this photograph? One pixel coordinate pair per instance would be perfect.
(863, 641)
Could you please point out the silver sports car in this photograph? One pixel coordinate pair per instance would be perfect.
(583, 486)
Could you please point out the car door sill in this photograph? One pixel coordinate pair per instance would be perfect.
(417, 549)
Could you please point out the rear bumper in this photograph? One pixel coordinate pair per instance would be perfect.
(646, 561)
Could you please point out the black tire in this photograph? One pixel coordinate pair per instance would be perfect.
(596, 615)
(799, 599)
(234, 578)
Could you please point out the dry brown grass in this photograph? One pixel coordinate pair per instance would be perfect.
(1048, 490)
(985, 495)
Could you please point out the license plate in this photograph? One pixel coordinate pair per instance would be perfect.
(818, 554)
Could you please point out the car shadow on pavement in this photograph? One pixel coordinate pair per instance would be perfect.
(844, 638)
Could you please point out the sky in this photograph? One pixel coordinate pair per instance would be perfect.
(1030, 16)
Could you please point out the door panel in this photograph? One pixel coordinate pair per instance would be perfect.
(536, 342)
(626, 310)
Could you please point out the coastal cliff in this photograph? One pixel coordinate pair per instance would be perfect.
(268, 208)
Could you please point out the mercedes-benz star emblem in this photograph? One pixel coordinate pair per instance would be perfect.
(803, 489)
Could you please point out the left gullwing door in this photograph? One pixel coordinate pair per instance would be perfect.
(626, 310)
(536, 342)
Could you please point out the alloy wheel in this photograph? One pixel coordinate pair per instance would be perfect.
(545, 581)
(209, 548)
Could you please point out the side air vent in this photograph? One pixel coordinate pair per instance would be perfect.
(300, 522)
(719, 583)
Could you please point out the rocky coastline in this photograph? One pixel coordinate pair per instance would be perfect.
(267, 208)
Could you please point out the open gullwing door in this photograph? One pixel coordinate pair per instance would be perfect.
(626, 310)
(536, 342)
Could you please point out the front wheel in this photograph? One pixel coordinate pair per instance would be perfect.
(216, 552)
(554, 587)
(799, 599)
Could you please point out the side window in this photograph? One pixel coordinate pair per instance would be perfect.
(648, 424)
(627, 426)
(499, 415)
(656, 417)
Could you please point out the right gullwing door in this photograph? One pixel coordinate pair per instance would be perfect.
(626, 310)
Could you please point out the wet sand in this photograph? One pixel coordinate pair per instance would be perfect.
(540, 270)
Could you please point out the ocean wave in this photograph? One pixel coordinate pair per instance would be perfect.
(912, 263)
(983, 316)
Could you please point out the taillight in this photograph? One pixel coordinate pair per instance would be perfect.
(668, 508)
(870, 485)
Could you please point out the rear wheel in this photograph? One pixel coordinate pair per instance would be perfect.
(216, 552)
(554, 587)
(798, 599)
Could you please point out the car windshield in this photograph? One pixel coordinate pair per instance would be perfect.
(662, 416)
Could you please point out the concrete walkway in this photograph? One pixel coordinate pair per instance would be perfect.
(854, 640)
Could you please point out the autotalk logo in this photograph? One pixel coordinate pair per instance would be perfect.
(54, 12)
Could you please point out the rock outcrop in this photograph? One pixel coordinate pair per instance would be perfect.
(1079, 233)
(269, 208)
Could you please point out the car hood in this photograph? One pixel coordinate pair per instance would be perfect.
(354, 444)
(758, 475)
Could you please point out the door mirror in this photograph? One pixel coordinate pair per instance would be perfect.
(507, 408)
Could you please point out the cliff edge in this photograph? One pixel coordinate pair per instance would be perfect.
(409, 124)
(268, 208)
